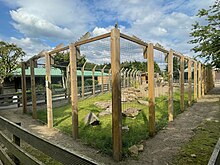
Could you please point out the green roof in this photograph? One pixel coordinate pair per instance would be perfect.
(54, 72)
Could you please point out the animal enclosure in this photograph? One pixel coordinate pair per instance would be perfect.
(133, 80)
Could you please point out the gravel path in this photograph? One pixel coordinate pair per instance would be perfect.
(157, 151)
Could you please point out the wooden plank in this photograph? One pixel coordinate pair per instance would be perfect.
(93, 80)
(23, 84)
(195, 81)
(103, 69)
(74, 91)
(151, 94)
(189, 82)
(33, 91)
(137, 41)
(203, 80)
(5, 158)
(182, 83)
(82, 80)
(23, 156)
(56, 152)
(48, 91)
(215, 157)
(103, 36)
(199, 81)
(116, 95)
(170, 82)
(161, 49)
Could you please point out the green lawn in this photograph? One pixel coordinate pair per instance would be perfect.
(100, 136)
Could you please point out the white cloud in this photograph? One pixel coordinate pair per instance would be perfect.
(31, 46)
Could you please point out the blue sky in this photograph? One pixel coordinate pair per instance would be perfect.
(35, 25)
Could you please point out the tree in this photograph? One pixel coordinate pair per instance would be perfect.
(9, 60)
(207, 35)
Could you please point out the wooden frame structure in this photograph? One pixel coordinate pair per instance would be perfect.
(115, 83)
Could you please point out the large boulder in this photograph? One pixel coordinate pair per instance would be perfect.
(91, 119)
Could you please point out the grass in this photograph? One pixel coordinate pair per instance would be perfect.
(100, 136)
(199, 149)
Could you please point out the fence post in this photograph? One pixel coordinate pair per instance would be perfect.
(182, 83)
(82, 80)
(116, 95)
(17, 141)
(195, 81)
(124, 80)
(151, 94)
(103, 78)
(48, 91)
(189, 82)
(74, 92)
(199, 81)
(170, 81)
(128, 77)
(33, 91)
(23, 82)
(109, 80)
(93, 80)
(203, 80)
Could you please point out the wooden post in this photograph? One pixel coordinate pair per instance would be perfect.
(68, 83)
(74, 91)
(23, 83)
(182, 83)
(199, 81)
(124, 79)
(116, 95)
(189, 82)
(195, 81)
(93, 80)
(170, 82)
(103, 78)
(213, 78)
(82, 80)
(109, 80)
(151, 94)
(203, 80)
(33, 91)
(48, 91)
(17, 141)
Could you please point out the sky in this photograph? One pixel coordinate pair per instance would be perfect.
(36, 25)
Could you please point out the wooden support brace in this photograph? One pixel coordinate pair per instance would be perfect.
(189, 82)
(93, 80)
(23, 82)
(195, 81)
(82, 80)
(33, 91)
(182, 83)
(170, 82)
(203, 80)
(199, 81)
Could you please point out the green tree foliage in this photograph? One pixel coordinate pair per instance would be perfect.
(207, 34)
(9, 60)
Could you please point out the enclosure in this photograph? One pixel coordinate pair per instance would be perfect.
(134, 88)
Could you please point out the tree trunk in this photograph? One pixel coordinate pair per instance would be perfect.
(1, 87)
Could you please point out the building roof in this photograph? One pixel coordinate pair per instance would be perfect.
(40, 72)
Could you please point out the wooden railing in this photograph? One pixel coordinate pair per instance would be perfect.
(56, 152)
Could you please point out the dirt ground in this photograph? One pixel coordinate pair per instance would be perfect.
(157, 151)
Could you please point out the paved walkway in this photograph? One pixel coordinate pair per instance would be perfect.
(157, 151)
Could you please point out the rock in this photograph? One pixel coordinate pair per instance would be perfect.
(91, 119)
(143, 102)
(131, 112)
(103, 104)
(133, 150)
(125, 128)
(140, 147)
(193, 155)
(105, 112)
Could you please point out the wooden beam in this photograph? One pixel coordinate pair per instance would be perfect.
(151, 94)
(189, 82)
(92, 39)
(93, 80)
(195, 81)
(48, 91)
(23, 84)
(170, 82)
(199, 81)
(116, 95)
(182, 83)
(137, 41)
(33, 91)
(74, 91)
